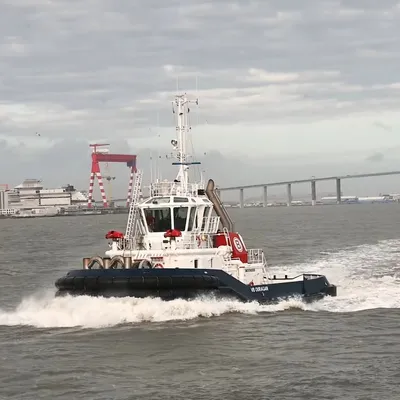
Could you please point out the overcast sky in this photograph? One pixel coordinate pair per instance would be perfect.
(274, 78)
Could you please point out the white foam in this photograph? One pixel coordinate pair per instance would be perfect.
(367, 277)
(90, 312)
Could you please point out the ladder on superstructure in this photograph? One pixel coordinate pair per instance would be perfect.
(133, 226)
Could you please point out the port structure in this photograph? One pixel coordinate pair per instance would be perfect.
(101, 154)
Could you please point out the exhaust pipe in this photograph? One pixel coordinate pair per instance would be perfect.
(218, 206)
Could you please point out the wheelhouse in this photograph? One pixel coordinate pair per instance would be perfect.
(184, 213)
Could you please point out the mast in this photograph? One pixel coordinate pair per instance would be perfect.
(182, 129)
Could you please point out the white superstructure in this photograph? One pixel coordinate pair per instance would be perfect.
(184, 224)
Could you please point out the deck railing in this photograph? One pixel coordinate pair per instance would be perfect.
(256, 256)
(174, 189)
(210, 224)
(194, 241)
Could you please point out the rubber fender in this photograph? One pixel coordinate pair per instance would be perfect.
(60, 283)
(198, 282)
(150, 281)
(136, 281)
(79, 283)
(210, 280)
(180, 282)
(104, 282)
(186, 282)
(68, 282)
(120, 282)
(165, 282)
(91, 282)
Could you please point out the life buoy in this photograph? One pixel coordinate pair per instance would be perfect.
(158, 265)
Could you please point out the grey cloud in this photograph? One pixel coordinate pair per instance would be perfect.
(85, 69)
(376, 157)
(383, 126)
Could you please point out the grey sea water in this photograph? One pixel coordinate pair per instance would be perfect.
(85, 348)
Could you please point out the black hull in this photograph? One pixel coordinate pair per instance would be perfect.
(169, 284)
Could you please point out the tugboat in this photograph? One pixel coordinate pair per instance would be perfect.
(181, 243)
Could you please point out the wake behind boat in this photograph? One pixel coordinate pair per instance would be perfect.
(181, 243)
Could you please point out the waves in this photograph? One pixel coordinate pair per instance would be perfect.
(367, 276)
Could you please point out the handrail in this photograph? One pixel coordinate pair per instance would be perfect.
(168, 188)
(286, 278)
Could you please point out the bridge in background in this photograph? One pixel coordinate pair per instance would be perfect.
(289, 184)
(312, 181)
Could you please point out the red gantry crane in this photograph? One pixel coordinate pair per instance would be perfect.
(102, 155)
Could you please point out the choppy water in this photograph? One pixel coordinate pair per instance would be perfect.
(340, 348)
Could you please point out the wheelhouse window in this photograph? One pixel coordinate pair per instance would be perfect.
(192, 221)
(180, 217)
(205, 216)
(156, 200)
(158, 219)
(181, 200)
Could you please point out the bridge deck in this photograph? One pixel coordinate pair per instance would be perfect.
(326, 178)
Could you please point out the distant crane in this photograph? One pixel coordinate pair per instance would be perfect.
(103, 155)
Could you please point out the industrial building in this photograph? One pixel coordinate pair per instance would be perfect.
(31, 194)
(343, 199)
(5, 210)
(3, 200)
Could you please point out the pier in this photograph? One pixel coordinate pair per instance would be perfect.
(313, 182)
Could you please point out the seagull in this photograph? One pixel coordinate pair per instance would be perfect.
(37, 134)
